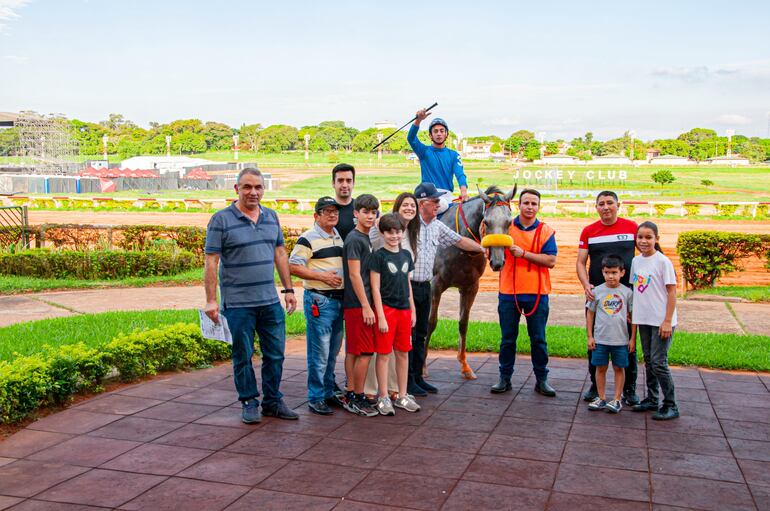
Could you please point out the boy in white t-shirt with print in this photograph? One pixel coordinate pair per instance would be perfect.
(608, 335)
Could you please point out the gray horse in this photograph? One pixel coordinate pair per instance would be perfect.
(456, 268)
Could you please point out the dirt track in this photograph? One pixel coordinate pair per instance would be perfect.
(567, 235)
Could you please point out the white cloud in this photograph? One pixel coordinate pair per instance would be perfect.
(692, 74)
(503, 122)
(733, 119)
(13, 58)
(8, 10)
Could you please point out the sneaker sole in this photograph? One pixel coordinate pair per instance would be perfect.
(596, 409)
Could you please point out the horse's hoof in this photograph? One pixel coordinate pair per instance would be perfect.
(469, 375)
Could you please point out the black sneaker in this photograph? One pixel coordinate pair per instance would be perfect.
(590, 394)
(415, 390)
(503, 385)
(543, 388)
(365, 409)
(427, 387)
(630, 398)
(280, 411)
(250, 413)
(337, 400)
(350, 403)
(646, 405)
(666, 413)
(319, 407)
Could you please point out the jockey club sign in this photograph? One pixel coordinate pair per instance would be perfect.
(558, 175)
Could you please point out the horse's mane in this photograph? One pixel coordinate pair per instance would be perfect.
(491, 190)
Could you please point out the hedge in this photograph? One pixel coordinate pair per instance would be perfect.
(706, 255)
(53, 376)
(96, 265)
(132, 237)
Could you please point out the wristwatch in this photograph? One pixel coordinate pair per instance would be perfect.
(284, 291)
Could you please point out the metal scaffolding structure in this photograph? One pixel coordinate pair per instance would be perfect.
(46, 142)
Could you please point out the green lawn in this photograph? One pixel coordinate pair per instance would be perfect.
(750, 293)
(722, 351)
(10, 284)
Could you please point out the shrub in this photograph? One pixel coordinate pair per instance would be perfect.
(707, 182)
(96, 265)
(630, 209)
(706, 255)
(692, 209)
(663, 177)
(726, 209)
(51, 377)
(762, 210)
(660, 209)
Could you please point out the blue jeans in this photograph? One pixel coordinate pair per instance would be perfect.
(509, 326)
(324, 339)
(269, 323)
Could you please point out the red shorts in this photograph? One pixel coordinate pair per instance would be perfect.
(359, 337)
(399, 334)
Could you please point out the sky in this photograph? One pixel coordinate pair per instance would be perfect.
(658, 68)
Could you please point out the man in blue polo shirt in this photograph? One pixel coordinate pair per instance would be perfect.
(245, 242)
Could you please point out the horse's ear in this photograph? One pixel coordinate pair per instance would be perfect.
(510, 196)
(483, 195)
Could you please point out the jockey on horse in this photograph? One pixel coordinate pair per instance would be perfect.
(438, 164)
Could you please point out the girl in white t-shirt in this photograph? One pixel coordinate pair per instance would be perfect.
(654, 313)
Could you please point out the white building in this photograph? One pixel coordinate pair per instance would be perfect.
(477, 150)
(164, 164)
(610, 159)
(558, 159)
(672, 160)
(385, 125)
(731, 161)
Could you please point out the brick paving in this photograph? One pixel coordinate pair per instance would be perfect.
(177, 442)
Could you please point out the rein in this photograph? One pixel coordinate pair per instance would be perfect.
(482, 228)
(535, 243)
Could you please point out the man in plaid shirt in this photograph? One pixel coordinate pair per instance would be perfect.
(433, 235)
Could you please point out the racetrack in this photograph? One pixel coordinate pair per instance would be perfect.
(567, 234)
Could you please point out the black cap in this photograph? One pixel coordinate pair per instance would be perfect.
(325, 202)
(426, 191)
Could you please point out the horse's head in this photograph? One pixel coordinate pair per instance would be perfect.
(497, 220)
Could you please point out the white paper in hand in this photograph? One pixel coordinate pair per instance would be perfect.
(210, 330)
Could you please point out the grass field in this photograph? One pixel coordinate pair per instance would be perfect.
(397, 175)
(721, 351)
(10, 284)
(750, 293)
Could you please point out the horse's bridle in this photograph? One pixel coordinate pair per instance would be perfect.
(496, 201)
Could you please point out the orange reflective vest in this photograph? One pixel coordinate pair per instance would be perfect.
(519, 276)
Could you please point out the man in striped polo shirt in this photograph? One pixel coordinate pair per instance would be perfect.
(317, 260)
(246, 239)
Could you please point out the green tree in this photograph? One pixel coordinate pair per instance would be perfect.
(551, 147)
(218, 136)
(496, 148)
(278, 137)
(9, 141)
(674, 147)
(126, 148)
(249, 134)
(532, 150)
(663, 177)
(523, 134)
(696, 135)
(188, 142)
(319, 144)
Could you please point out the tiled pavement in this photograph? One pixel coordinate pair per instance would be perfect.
(177, 443)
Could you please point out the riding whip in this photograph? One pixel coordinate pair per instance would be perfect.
(402, 127)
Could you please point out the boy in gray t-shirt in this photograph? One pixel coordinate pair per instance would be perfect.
(608, 335)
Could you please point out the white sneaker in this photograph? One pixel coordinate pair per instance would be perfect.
(385, 406)
(408, 403)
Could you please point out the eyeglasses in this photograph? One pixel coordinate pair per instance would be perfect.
(330, 212)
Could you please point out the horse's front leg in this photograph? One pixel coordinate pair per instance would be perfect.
(467, 297)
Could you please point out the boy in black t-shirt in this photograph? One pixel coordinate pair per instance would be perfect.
(357, 306)
(390, 268)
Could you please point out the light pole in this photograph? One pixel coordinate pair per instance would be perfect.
(168, 146)
(235, 147)
(307, 144)
(730, 134)
(379, 149)
(632, 134)
(104, 145)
